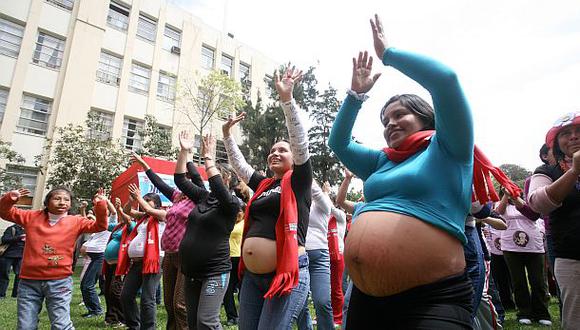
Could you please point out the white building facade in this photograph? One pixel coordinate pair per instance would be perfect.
(61, 59)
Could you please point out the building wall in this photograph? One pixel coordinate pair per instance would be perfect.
(73, 88)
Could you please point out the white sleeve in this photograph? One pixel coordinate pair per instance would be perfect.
(296, 132)
(237, 159)
(340, 221)
(320, 199)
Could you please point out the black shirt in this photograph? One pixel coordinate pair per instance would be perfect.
(265, 209)
(12, 237)
(565, 220)
(205, 247)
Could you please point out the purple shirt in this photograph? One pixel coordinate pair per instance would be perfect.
(176, 220)
(522, 234)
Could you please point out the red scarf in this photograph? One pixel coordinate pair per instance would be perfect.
(286, 277)
(333, 238)
(483, 190)
(151, 250)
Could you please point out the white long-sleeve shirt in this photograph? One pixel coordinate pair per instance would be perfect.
(317, 236)
(97, 242)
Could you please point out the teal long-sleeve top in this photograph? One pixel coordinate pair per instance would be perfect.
(434, 185)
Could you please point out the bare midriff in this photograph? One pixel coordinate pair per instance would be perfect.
(387, 253)
(259, 254)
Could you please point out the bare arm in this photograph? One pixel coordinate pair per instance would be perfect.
(157, 213)
(348, 206)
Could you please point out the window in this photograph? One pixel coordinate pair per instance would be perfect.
(146, 28)
(49, 50)
(140, 76)
(64, 4)
(34, 113)
(27, 176)
(220, 152)
(245, 77)
(171, 38)
(3, 99)
(207, 58)
(131, 137)
(166, 87)
(109, 70)
(268, 80)
(118, 17)
(104, 125)
(227, 65)
(10, 37)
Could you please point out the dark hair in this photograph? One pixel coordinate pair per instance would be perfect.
(54, 191)
(544, 150)
(153, 197)
(417, 106)
(558, 153)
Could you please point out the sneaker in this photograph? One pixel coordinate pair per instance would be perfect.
(547, 323)
(525, 321)
(231, 322)
(91, 315)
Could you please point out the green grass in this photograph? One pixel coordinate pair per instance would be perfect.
(8, 314)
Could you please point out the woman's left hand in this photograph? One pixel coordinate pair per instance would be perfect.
(209, 146)
(285, 84)
(362, 67)
(134, 191)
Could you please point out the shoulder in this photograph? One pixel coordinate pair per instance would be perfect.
(553, 171)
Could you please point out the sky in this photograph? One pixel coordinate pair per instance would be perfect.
(518, 61)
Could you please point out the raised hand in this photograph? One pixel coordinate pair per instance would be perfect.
(227, 126)
(136, 158)
(379, 39)
(84, 205)
(362, 80)
(285, 84)
(348, 174)
(134, 191)
(326, 187)
(209, 146)
(16, 194)
(185, 141)
(118, 204)
(99, 196)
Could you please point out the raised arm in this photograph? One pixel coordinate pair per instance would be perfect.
(122, 217)
(341, 201)
(321, 199)
(163, 187)
(143, 205)
(356, 157)
(193, 192)
(235, 156)
(10, 213)
(194, 175)
(100, 209)
(453, 121)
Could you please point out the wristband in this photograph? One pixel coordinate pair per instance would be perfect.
(359, 96)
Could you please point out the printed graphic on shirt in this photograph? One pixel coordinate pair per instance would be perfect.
(53, 259)
(267, 193)
(497, 243)
(521, 238)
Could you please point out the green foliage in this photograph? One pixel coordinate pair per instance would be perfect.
(214, 95)
(7, 180)
(516, 173)
(325, 165)
(157, 140)
(82, 159)
(354, 195)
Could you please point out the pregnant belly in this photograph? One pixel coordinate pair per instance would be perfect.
(387, 253)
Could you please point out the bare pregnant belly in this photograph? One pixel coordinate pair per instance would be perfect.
(387, 253)
(259, 255)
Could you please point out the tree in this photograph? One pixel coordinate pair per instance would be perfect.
(9, 181)
(325, 165)
(354, 195)
(157, 140)
(83, 159)
(516, 173)
(213, 95)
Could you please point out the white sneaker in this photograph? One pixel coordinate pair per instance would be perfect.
(547, 323)
(525, 321)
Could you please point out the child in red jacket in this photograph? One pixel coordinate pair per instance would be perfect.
(48, 253)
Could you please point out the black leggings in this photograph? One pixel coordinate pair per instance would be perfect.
(445, 304)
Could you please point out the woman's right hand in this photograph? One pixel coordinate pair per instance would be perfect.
(16, 194)
(362, 67)
(379, 39)
(136, 158)
(227, 126)
(185, 141)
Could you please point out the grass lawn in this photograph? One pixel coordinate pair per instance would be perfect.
(8, 314)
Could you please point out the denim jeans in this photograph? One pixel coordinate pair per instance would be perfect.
(58, 294)
(474, 265)
(89, 282)
(319, 268)
(203, 299)
(135, 279)
(256, 312)
(6, 264)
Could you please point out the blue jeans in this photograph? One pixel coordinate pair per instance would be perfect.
(474, 265)
(319, 268)
(58, 294)
(145, 318)
(89, 281)
(278, 312)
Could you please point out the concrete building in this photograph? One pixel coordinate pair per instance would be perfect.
(61, 59)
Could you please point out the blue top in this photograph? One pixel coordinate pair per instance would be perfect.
(112, 250)
(433, 185)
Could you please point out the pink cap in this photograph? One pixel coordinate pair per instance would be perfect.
(572, 118)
